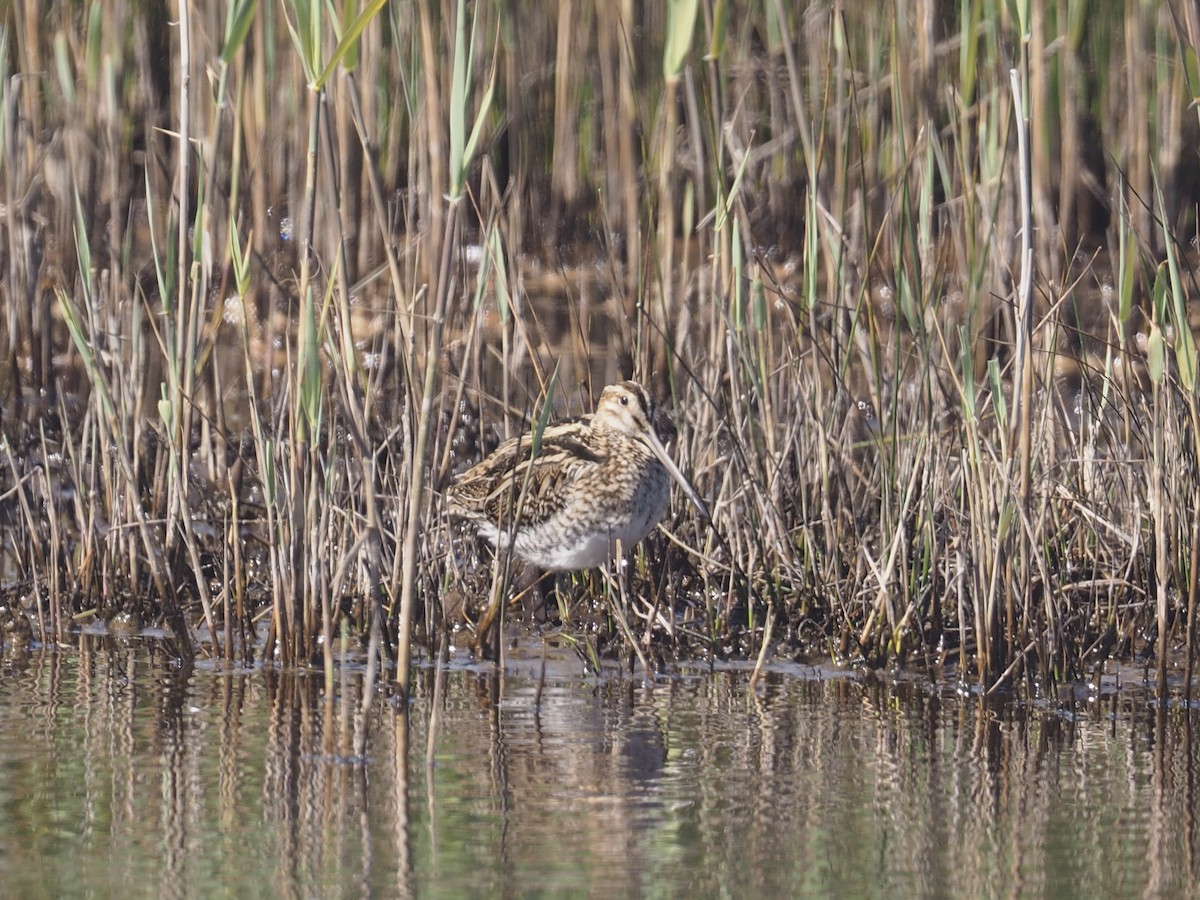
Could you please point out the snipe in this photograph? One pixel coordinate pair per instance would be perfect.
(594, 481)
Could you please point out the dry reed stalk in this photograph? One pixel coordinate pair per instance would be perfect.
(818, 295)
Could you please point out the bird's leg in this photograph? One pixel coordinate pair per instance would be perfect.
(494, 615)
(529, 587)
(618, 604)
(654, 612)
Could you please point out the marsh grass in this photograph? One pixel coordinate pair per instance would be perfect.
(915, 285)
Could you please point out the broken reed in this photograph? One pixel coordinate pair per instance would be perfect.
(812, 231)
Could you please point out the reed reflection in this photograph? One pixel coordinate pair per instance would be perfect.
(121, 769)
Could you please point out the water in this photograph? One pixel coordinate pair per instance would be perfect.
(118, 777)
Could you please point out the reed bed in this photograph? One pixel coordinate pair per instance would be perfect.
(914, 283)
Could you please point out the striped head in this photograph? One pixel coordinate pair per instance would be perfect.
(626, 408)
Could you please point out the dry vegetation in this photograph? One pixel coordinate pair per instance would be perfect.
(914, 283)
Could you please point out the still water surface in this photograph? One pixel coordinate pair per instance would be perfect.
(119, 777)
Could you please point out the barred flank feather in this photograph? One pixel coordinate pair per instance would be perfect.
(595, 481)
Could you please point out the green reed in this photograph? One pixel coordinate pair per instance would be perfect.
(923, 326)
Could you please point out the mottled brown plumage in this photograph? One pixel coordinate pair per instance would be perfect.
(594, 481)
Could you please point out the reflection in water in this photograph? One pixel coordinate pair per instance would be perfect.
(118, 774)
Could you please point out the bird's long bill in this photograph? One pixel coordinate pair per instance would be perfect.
(655, 445)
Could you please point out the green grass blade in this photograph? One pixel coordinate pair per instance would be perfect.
(681, 26)
(347, 48)
(237, 25)
(543, 418)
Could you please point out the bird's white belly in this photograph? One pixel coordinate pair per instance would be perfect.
(573, 540)
(589, 550)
